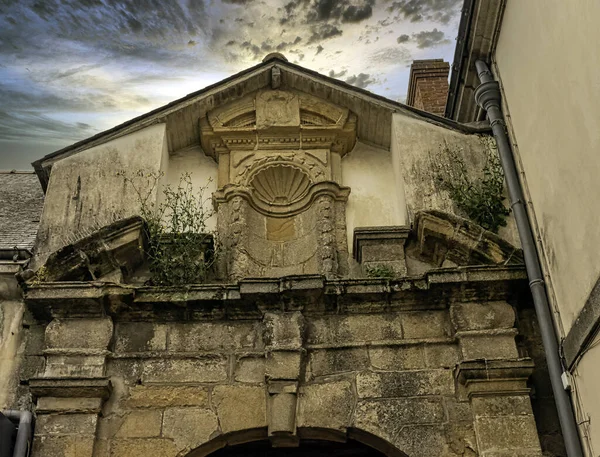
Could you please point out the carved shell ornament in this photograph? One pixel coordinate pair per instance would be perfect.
(280, 184)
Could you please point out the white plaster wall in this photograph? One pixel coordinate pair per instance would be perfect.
(203, 171)
(548, 57)
(375, 199)
(414, 143)
(85, 191)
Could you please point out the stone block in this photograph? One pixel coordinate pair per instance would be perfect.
(426, 324)
(422, 440)
(35, 344)
(66, 424)
(501, 405)
(143, 447)
(488, 345)
(79, 333)
(168, 371)
(405, 383)
(482, 316)
(32, 366)
(397, 357)
(141, 396)
(140, 337)
(506, 433)
(68, 405)
(189, 427)
(283, 365)
(63, 446)
(250, 370)
(336, 329)
(391, 415)
(240, 407)
(442, 355)
(332, 361)
(141, 424)
(74, 366)
(458, 411)
(327, 405)
(284, 330)
(210, 336)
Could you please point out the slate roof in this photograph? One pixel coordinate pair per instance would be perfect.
(21, 202)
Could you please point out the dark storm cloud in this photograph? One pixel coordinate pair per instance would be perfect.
(403, 38)
(333, 74)
(319, 50)
(322, 32)
(440, 11)
(238, 2)
(41, 127)
(362, 80)
(429, 39)
(332, 11)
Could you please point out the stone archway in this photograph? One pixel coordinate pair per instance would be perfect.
(313, 442)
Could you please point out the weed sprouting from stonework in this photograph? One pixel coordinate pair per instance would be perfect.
(380, 271)
(479, 197)
(181, 249)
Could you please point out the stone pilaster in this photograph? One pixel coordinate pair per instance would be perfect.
(502, 416)
(73, 387)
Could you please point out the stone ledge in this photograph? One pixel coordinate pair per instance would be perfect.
(71, 388)
(495, 377)
(251, 298)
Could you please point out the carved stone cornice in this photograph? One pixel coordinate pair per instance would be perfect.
(277, 119)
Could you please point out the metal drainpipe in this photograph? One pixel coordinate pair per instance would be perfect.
(23, 440)
(489, 98)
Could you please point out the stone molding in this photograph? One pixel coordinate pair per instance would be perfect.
(241, 300)
(316, 190)
(495, 377)
(70, 387)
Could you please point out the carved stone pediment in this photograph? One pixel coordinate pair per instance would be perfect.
(278, 119)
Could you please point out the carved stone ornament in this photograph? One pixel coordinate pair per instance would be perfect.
(277, 119)
(280, 205)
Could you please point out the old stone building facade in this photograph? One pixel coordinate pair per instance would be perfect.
(295, 342)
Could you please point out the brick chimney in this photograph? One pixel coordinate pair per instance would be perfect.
(428, 85)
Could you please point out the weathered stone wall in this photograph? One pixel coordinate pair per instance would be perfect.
(85, 191)
(415, 144)
(429, 377)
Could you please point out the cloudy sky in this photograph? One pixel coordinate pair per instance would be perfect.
(72, 68)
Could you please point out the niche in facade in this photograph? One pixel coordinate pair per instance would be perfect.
(280, 203)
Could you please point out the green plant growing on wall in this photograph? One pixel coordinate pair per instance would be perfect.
(181, 250)
(380, 271)
(478, 195)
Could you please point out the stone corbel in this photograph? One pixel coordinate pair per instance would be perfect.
(381, 246)
(74, 382)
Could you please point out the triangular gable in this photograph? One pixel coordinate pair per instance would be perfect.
(181, 116)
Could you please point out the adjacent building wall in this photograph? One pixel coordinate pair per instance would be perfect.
(550, 78)
(547, 61)
(375, 197)
(87, 191)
